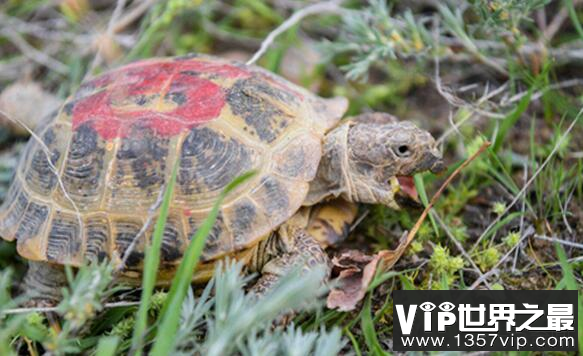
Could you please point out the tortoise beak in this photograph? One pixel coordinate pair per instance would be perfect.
(430, 161)
(407, 201)
(438, 166)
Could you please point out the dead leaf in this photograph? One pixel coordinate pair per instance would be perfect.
(356, 271)
(390, 257)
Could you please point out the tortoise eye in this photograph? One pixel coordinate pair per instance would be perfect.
(402, 151)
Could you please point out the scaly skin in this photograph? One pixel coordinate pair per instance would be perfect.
(43, 283)
(363, 156)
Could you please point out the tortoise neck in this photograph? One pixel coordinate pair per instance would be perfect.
(332, 178)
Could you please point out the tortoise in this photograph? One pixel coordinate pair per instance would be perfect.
(87, 188)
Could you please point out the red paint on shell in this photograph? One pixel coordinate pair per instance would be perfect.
(167, 97)
(226, 70)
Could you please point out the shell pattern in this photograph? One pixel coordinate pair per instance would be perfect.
(114, 143)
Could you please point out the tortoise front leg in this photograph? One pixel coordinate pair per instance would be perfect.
(329, 223)
(43, 284)
(296, 248)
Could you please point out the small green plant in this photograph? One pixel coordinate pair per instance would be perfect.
(512, 239)
(444, 266)
(124, 328)
(373, 35)
(488, 258)
(82, 301)
(84, 298)
(499, 208)
(239, 322)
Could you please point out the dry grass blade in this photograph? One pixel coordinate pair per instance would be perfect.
(50, 163)
(54, 309)
(132, 15)
(151, 213)
(390, 257)
(529, 182)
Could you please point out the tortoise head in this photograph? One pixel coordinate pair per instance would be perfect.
(383, 156)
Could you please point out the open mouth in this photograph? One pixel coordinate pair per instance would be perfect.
(407, 185)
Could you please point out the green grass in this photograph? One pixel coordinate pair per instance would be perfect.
(170, 314)
(383, 59)
(107, 346)
(151, 264)
(569, 282)
(368, 329)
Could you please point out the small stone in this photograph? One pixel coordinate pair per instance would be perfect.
(26, 102)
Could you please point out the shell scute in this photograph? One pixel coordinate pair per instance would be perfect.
(97, 238)
(209, 160)
(167, 96)
(172, 241)
(33, 221)
(218, 241)
(261, 107)
(64, 240)
(173, 238)
(124, 231)
(138, 170)
(244, 219)
(13, 209)
(83, 172)
(299, 158)
(272, 195)
(39, 175)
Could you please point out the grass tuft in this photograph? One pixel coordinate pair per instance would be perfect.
(170, 316)
(151, 264)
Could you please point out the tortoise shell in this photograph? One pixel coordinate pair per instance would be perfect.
(113, 145)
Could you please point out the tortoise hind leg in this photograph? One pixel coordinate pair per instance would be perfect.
(298, 248)
(43, 284)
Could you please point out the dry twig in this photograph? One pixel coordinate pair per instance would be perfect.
(561, 241)
(319, 8)
(34, 54)
(557, 22)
